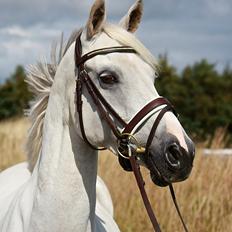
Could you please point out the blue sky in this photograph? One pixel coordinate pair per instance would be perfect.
(185, 29)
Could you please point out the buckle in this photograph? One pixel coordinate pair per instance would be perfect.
(128, 145)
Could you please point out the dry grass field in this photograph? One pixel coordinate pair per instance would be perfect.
(204, 199)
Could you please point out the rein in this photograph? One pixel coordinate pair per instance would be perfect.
(128, 147)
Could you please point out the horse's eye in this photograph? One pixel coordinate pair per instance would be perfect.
(108, 78)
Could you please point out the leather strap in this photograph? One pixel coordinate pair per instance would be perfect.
(79, 88)
(143, 112)
(107, 113)
(104, 51)
(107, 105)
(125, 163)
(103, 113)
(102, 105)
(141, 184)
(155, 125)
(177, 207)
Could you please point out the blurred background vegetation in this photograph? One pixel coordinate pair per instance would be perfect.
(201, 95)
(14, 95)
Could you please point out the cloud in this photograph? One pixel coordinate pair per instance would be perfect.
(20, 45)
(14, 31)
(188, 42)
(186, 9)
(26, 12)
(187, 30)
(219, 8)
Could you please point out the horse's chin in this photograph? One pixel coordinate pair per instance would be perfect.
(158, 180)
(157, 174)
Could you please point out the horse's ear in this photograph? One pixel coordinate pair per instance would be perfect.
(96, 18)
(131, 21)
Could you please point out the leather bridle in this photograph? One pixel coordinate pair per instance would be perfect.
(128, 147)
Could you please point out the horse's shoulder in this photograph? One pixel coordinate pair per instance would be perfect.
(12, 179)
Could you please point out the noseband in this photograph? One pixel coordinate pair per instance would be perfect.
(128, 147)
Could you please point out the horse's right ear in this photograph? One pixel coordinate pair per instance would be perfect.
(96, 18)
(132, 19)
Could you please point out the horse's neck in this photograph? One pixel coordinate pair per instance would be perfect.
(66, 178)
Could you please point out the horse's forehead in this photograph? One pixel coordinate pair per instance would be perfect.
(101, 41)
(119, 60)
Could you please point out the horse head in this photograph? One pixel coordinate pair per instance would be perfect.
(113, 66)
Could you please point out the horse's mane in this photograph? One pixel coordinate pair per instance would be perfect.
(41, 76)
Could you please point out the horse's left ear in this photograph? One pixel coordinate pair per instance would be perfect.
(96, 18)
(131, 21)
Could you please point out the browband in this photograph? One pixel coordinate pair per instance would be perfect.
(104, 51)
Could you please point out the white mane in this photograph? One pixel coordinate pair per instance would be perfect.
(41, 76)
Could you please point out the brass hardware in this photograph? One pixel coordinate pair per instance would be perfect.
(123, 156)
(140, 150)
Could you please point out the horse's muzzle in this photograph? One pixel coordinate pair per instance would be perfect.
(173, 164)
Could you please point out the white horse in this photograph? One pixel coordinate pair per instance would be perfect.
(62, 192)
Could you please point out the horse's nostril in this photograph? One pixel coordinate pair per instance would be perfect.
(173, 155)
(192, 153)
